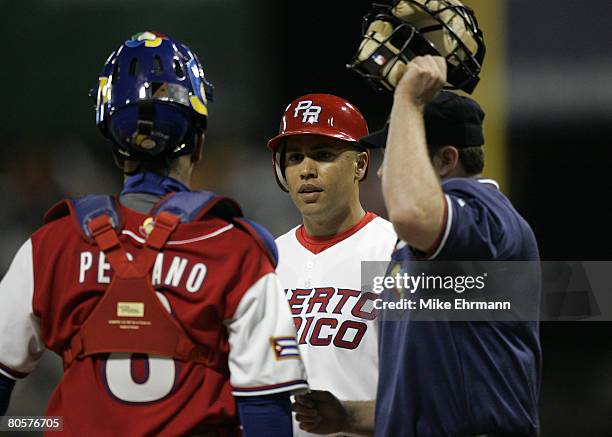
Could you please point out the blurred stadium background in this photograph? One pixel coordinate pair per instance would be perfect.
(545, 89)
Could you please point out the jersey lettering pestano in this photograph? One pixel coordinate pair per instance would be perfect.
(230, 298)
(335, 321)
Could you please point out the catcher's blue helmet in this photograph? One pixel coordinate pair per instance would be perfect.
(152, 97)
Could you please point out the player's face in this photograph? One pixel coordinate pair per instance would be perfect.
(321, 173)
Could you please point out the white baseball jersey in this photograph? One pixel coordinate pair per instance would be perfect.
(336, 322)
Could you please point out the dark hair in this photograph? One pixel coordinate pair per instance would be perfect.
(470, 157)
(159, 165)
(163, 164)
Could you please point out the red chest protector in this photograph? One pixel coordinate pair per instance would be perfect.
(129, 317)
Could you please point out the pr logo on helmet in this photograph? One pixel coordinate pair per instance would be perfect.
(311, 112)
(149, 39)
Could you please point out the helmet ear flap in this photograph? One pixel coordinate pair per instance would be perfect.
(278, 162)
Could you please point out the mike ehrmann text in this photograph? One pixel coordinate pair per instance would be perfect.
(438, 304)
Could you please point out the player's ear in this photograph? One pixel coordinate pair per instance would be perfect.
(361, 165)
(445, 160)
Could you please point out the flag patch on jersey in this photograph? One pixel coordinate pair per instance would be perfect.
(284, 347)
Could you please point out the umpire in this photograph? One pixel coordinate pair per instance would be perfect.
(451, 378)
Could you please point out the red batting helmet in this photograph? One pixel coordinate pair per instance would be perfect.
(316, 114)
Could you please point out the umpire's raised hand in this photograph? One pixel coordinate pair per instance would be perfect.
(423, 78)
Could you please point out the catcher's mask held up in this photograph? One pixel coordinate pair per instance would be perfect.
(395, 33)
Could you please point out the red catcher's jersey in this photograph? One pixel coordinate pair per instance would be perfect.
(212, 276)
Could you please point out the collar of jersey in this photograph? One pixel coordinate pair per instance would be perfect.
(152, 183)
(485, 181)
(489, 182)
(319, 244)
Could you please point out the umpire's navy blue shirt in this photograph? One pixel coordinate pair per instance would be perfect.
(464, 378)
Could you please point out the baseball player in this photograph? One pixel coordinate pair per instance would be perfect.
(162, 302)
(318, 160)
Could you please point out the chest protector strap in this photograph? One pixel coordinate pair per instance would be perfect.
(130, 318)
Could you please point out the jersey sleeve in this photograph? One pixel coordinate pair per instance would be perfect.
(264, 356)
(478, 226)
(20, 343)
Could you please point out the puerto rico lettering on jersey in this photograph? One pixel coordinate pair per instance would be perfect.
(309, 307)
(336, 322)
(170, 271)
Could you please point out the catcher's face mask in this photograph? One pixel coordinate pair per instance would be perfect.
(394, 34)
